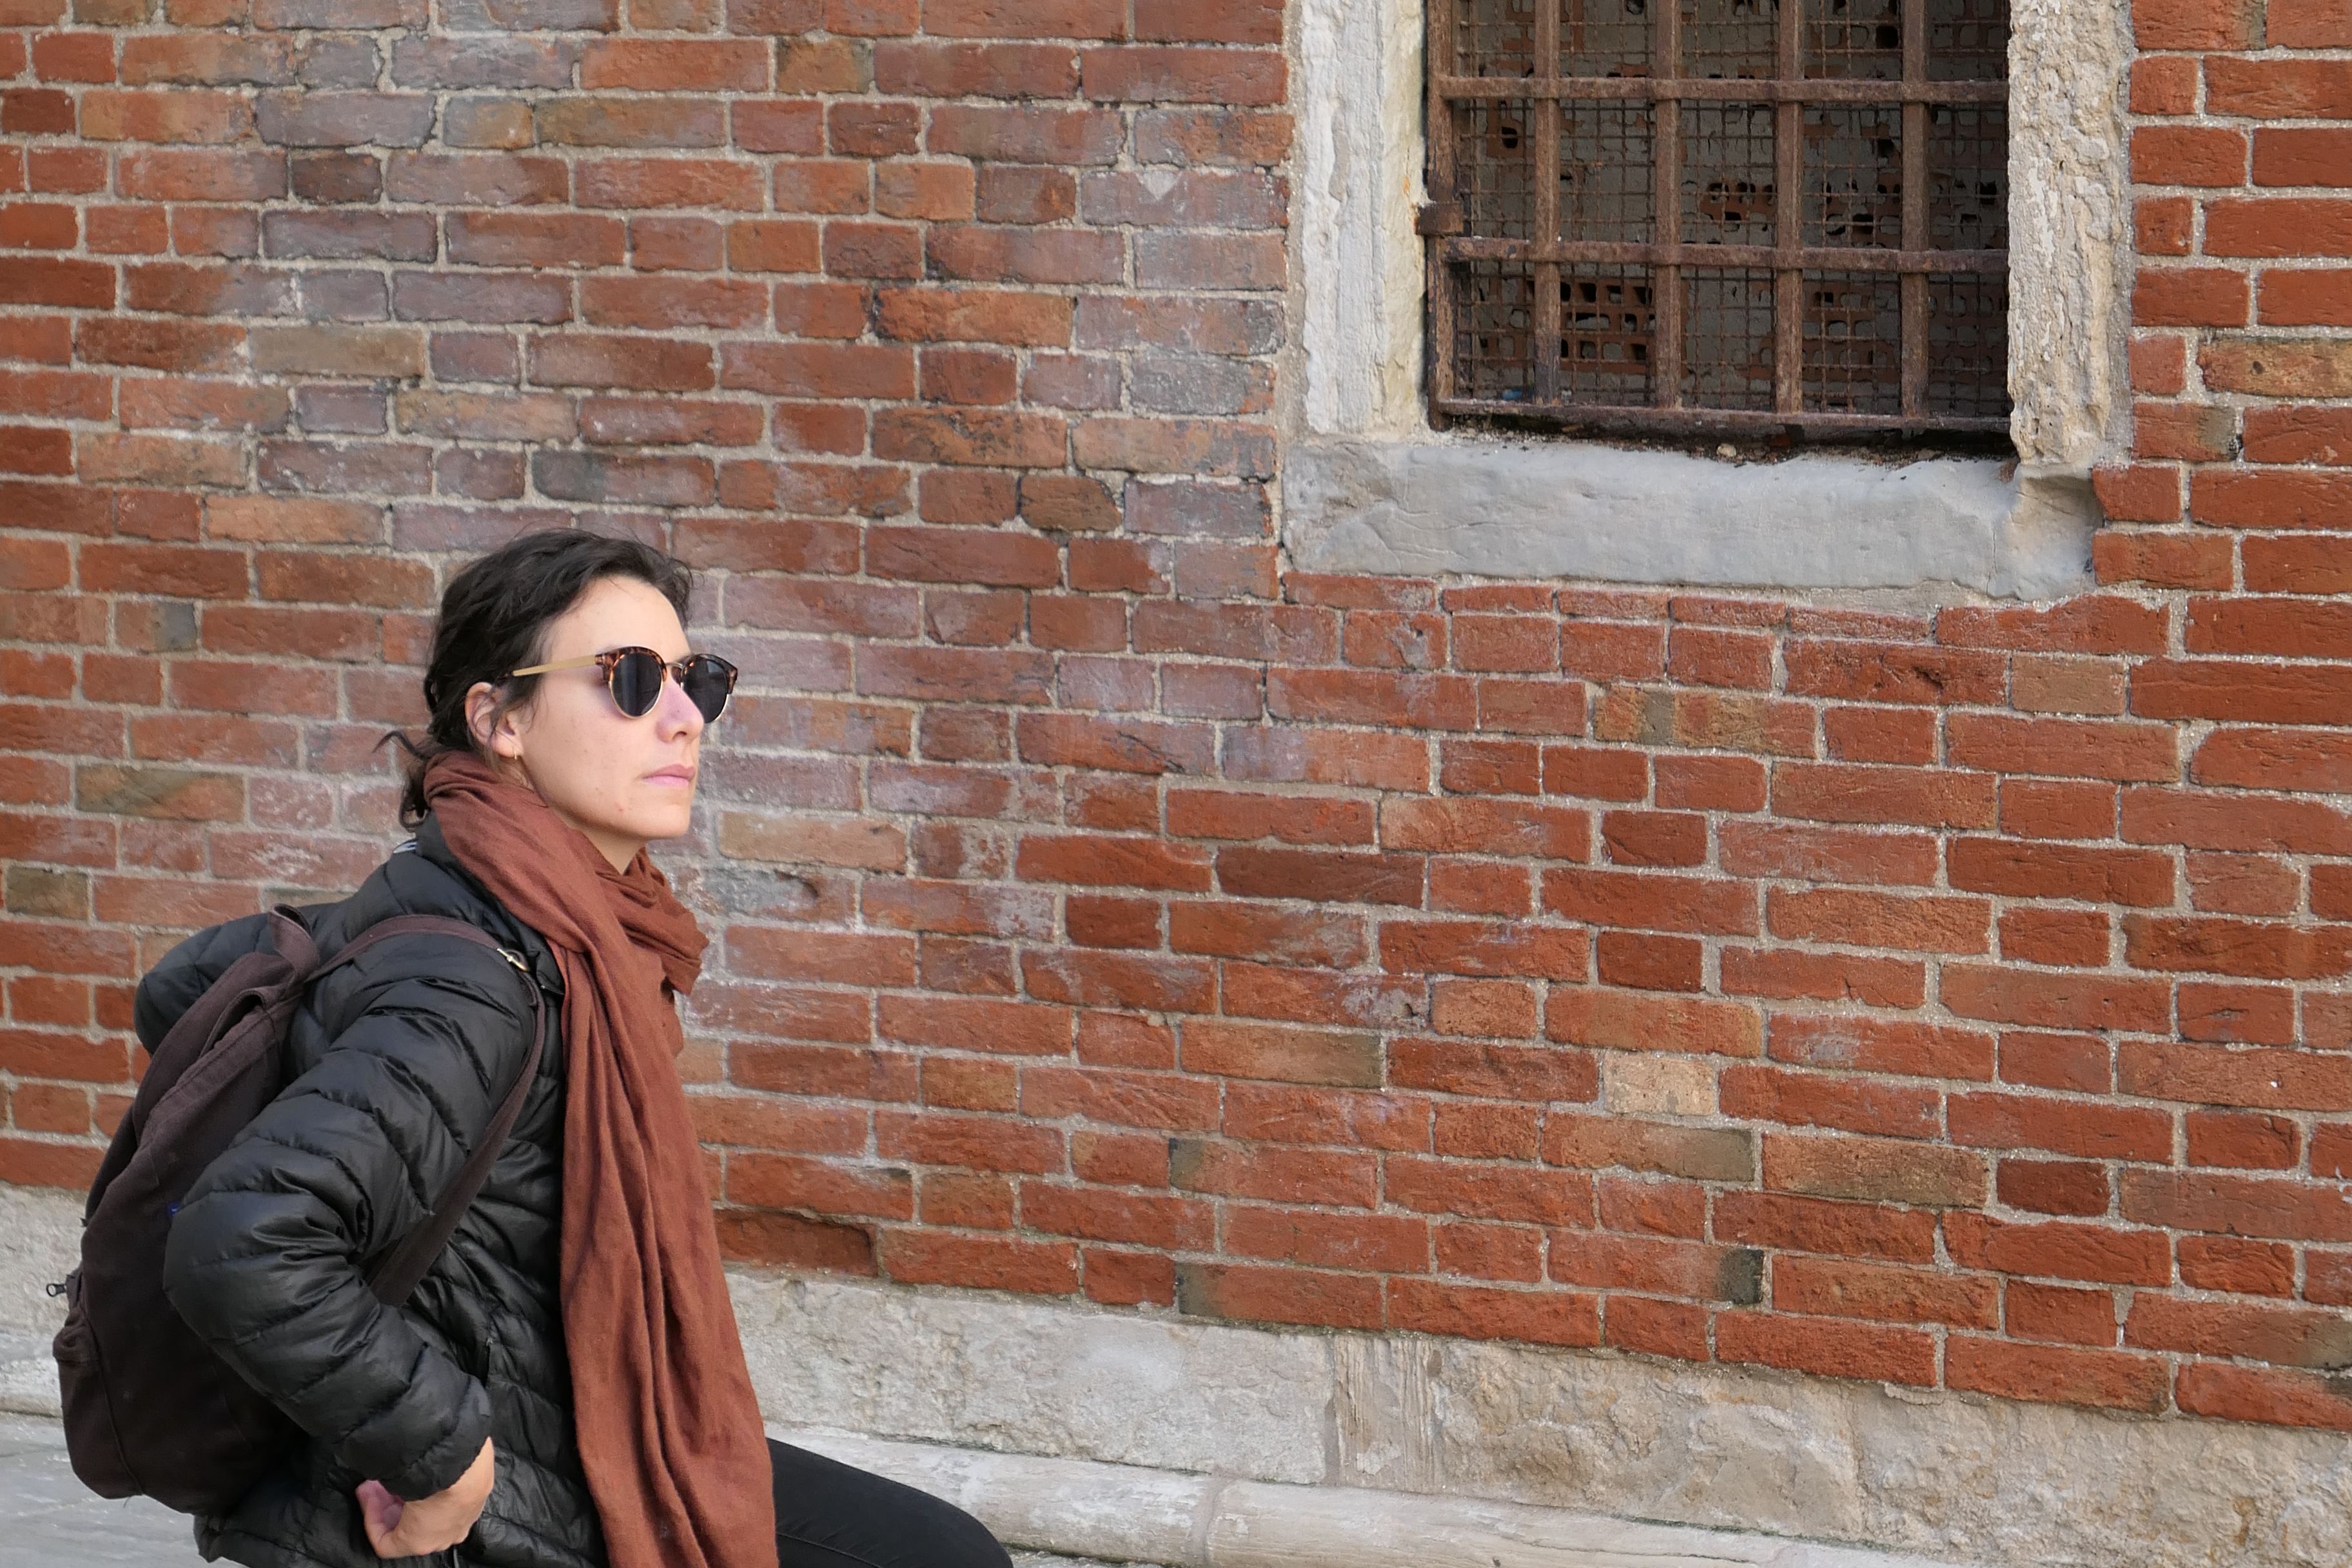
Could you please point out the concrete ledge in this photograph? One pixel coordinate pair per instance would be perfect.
(1491, 507)
(972, 1387)
(1121, 1513)
(28, 1378)
(1125, 1513)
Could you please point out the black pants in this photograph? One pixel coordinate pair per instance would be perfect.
(829, 1515)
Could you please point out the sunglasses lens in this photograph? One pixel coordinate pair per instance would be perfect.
(637, 681)
(707, 682)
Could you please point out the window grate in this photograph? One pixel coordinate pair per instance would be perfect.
(1672, 215)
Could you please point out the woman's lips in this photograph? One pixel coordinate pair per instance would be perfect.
(671, 776)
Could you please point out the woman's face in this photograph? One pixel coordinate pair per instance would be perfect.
(619, 780)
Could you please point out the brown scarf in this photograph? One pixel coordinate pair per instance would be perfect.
(669, 1431)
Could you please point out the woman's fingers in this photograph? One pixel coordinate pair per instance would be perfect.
(402, 1529)
(380, 1514)
(395, 1529)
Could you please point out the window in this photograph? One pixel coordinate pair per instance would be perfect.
(1670, 215)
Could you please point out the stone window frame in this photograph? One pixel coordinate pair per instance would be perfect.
(1367, 484)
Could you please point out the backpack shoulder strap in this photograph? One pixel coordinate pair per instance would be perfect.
(398, 1275)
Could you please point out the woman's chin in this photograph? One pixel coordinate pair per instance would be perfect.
(662, 811)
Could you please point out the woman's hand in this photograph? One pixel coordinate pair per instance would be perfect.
(396, 1527)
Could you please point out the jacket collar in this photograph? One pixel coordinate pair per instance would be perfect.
(428, 843)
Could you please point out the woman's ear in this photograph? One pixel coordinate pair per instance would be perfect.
(493, 731)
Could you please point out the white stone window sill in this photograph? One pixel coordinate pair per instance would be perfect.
(1486, 506)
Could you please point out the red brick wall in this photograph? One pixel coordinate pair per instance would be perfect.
(1950, 1000)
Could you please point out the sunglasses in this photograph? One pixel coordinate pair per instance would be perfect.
(634, 676)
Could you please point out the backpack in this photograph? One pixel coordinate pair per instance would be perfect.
(149, 1408)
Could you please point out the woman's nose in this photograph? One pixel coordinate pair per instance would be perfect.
(676, 712)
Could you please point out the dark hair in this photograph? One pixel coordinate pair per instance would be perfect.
(494, 618)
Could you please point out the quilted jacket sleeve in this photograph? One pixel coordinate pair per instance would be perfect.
(268, 1254)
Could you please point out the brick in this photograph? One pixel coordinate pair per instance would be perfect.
(1474, 947)
(2198, 297)
(1651, 901)
(2257, 1394)
(2056, 999)
(1633, 1021)
(2051, 870)
(2284, 367)
(1058, 257)
(2054, 1186)
(2165, 561)
(1485, 827)
(977, 437)
(2164, 226)
(2240, 1268)
(646, 363)
(2215, 1075)
(2196, 24)
(2308, 24)
(2271, 499)
(667, 182)
(1279, 1295)
(1340, 1057)
(1703, 1154)
(917, 1256)
(1826, 1288)
(2164, 84)
(675, 65)
(2190, 155)
(2259, 1206)
(360, 352)
(1878, 920)
(972, 316)
(587, 121)
(2279, 89)
(2052, 1373)
(293, 519)
(1827, 1347)
(1152, 74)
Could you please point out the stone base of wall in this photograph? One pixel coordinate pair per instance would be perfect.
(1405, 1440)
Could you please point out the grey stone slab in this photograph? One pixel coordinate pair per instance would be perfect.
(40, 1242)
(1941, 528)
(1939, 1474)
(48, 1520)
(1016, 1375)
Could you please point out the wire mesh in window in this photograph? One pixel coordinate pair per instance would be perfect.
(1967, 177)
(1608, 322)
(1494, 338)
(1730, 39)
(1727, 362)
(1498, 37)
(1497, 171)
(1968, 344)
(1605, 177)
(1730, 187)
(1854, 40)
(1967, 40)
(1854, 324)
(1604, 37)
(1759, 213)
(1853, 175)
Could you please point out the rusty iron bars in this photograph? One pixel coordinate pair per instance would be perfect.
(1668, 215)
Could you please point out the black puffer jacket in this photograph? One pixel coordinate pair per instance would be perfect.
(397, 1062)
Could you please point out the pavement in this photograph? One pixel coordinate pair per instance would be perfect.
(47, 1520)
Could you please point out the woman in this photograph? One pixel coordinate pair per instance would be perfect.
(565, 1389)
